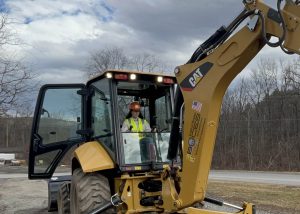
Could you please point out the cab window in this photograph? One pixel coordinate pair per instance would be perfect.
(155, 106)
(101, 117)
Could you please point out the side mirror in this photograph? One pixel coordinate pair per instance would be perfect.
(45, 111)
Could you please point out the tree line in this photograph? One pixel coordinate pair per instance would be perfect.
(260, 119)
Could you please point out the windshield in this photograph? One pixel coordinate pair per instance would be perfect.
(145, 112)
(145, 147)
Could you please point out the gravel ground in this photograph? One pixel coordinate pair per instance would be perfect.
(22, 196)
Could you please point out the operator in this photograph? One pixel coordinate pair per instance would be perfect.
(135, 121)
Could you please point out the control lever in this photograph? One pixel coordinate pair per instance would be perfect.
(115, 200)
(221, 203)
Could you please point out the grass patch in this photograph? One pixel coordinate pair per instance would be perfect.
(270, 198)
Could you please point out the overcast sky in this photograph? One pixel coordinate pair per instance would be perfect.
(58, 36)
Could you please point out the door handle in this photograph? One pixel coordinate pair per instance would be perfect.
(36, 143)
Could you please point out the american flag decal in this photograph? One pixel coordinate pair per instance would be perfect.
(196, 105)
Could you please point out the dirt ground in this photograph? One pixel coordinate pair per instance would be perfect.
(23, 196)
(267, 198)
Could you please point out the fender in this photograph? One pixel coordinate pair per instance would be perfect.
(93, 157)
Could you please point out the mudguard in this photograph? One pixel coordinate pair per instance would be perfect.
(93, 157)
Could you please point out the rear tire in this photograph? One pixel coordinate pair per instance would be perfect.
(88, 192)
(63, 199)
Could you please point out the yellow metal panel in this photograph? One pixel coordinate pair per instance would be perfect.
(128, 188)
(291, 14)
(200, 126)
(93, 157)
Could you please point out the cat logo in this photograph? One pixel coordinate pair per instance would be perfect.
(190, 82)
(195, 78)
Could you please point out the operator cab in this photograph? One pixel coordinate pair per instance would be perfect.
(156, 109)
(154, 93)
(71, 114)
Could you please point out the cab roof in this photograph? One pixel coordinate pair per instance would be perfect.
(100, 76)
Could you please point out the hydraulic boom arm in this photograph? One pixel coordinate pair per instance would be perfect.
(205, 78)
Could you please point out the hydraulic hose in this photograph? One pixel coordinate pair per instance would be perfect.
(175, 136)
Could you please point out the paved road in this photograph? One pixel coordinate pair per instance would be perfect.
(283, 178)
(23, 175)
(291, 179)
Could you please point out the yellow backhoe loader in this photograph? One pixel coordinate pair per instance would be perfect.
(163, 170)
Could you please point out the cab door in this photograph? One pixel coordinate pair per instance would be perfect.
(58, 125)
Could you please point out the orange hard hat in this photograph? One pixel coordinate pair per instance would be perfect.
(135, 106)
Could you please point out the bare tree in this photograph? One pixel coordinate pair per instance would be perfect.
(145, 62)
(15, 78)
(115, 58)
(5, 36)
(292, 72)
(109, 58)
(13, 82)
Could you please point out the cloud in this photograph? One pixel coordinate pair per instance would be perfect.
(59, 35)
(65, 75)
(47, 9)
(53, 32)
(174, 18)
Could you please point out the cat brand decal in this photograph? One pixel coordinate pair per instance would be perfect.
(190, 82)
